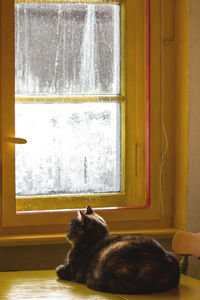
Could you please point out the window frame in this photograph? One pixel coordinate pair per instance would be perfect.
(127, 217)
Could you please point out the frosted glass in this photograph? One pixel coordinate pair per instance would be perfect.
(67, 49)
(72, 148)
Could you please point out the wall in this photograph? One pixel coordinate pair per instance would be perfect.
(181, 37)
(40, 257)
(187, 112)
(193, 198)
(193, 203)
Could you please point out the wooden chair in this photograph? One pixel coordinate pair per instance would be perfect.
(185, 244)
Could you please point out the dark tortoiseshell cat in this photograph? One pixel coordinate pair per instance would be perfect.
(128, 264)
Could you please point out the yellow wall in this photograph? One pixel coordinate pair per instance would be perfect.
(187, 115)
(40, 257)
(193, 199)
(181, 111)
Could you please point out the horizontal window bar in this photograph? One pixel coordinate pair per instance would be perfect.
(70, 201)
(116, 2)
(70, 99)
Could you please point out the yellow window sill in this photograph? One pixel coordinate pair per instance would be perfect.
(42, 239)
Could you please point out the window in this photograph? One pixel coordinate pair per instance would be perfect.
(67, 101)
(84, 111)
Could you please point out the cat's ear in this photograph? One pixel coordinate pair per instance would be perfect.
(79, 215)
(89, 210)
(82, 218)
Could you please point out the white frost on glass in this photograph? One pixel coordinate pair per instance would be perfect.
(67, 49)
(72, 148)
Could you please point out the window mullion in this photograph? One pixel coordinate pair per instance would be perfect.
(70, 99)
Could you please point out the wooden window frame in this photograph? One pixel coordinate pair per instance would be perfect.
(156, 210)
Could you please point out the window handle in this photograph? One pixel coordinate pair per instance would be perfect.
(16, 140)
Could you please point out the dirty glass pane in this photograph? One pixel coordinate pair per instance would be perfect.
(67, 49)
(72, 148)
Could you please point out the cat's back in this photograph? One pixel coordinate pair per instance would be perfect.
(140, 263)
(135, 248)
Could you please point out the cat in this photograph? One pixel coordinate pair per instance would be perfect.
(116, 263)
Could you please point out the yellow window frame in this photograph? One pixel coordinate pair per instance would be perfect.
(133, 137)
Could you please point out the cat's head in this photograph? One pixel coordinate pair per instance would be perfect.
(87, 225)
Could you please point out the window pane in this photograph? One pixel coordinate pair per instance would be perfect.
(67, 49)
(72, 148)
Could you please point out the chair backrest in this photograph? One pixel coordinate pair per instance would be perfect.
(186, 243)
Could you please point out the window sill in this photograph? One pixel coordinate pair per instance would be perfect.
(45, 239)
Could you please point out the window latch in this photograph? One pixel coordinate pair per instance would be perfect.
(15, 140)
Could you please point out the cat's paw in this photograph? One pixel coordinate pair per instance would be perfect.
(62, 272)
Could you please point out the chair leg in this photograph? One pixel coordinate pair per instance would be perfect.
(184, 264)
(198, 276)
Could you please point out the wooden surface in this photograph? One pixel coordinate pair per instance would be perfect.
(186, 243)
(44, 285)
